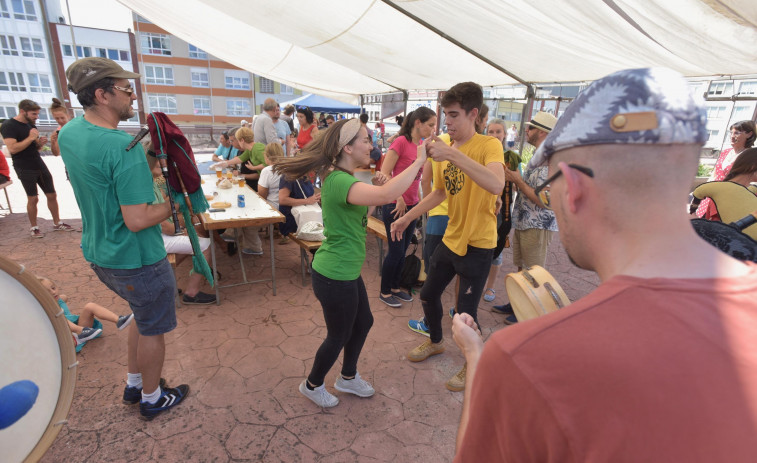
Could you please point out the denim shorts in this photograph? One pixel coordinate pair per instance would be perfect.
(150, 291)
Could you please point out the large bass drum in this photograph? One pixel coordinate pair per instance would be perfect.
(534, 292)
(35, 345)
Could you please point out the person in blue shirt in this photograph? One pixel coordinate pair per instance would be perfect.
(225, 150)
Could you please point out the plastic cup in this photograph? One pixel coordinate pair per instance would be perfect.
(219, 172)
(373, 169)
(241, 181)
(229, 174)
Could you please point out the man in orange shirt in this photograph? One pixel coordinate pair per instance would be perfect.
(658, 363)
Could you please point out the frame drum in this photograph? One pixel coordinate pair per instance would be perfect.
(534, 292)
(36, 345)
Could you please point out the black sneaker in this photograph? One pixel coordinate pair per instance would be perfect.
(170, 397)
(511, 319)
(199, 299)
(403, 296)
(505, 309)
(87, 334)
(132, 395)
(124, 320)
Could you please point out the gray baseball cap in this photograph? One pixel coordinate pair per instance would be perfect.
(651, 106)
(86, 71)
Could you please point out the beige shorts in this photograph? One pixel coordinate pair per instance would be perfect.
(530, 247)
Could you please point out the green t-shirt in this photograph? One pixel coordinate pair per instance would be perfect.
(255, 155)
(342, 253)
(104, 177)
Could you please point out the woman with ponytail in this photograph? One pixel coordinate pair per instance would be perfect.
(333, 156)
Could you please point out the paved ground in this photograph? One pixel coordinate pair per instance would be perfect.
(244, 359)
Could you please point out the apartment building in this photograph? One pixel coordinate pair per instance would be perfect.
(194, 87)
(728, 102)
(27, 68)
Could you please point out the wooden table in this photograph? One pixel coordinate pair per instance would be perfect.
(256, 213)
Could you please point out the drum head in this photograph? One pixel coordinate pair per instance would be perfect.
(36, 345)
(727, 238)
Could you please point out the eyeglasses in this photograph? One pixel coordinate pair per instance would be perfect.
(542, 191)
(127, 90)
(736, 133)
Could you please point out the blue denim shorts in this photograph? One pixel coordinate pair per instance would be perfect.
(150, 291)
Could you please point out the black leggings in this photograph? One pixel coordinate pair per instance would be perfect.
(473, 269)
(348, 320)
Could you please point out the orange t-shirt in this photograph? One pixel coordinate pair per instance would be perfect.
(639, 370)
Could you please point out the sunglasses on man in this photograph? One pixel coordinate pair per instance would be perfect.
(542, 191)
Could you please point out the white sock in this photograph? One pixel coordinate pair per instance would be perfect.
(151, 398)
(134, 380)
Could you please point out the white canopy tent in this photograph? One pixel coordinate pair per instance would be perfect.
(345, 48)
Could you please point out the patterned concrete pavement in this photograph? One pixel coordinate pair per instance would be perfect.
(244, 360)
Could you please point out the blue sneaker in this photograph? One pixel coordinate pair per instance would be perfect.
(452, 312)
(170, 397)
(511, 319)
(419, 326)
(132, 395)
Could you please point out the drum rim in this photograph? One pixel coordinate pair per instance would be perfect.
(542, 276)
(68, 355)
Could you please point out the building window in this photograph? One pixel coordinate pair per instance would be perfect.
(162, 102)
(31, 48)
(237, 80)
(200, 78)
(202, 106)
(266, 85)
(161, 75)
(12, 82)
(237, 107)
(6, 112)
(8, 45)
(715, 112)
(713, 135)
(67, 50)
(140, 19)
(44, 116)
(748, 88)
(156, 44)
(78, 112)
(4, 12)
(720, 89)
(195, 52)
(39, 83)
(286, 90)
(23, 9)
(83, 52)
(742, 112)
(112, 53)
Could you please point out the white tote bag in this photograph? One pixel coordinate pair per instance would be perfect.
(306, 212)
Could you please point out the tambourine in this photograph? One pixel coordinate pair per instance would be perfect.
(534, 292)
(36, 345)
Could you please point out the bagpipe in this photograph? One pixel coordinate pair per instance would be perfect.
(183, 181)
(737, 207)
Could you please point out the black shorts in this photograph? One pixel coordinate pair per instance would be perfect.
(3, 179)
(31, 178)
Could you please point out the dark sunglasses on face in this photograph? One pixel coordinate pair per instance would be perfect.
(542, 191)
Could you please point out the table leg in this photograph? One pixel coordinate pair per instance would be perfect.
(239, 247)
(215, 269)
(303, 256)
(273, 262)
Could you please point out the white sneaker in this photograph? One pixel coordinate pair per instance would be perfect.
(357, 386)
(319, 395)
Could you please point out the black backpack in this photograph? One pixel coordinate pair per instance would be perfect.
(411, 270)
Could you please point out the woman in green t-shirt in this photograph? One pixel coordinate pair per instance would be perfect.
(337, 284)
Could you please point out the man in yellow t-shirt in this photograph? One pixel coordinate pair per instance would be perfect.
(471, 178)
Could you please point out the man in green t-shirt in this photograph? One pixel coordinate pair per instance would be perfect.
(121, 233)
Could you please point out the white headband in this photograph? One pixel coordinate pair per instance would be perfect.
(348, 132)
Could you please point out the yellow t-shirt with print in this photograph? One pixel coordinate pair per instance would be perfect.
(470, 207)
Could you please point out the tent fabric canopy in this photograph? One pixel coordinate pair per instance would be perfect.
(344, 48)
(318, 103)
